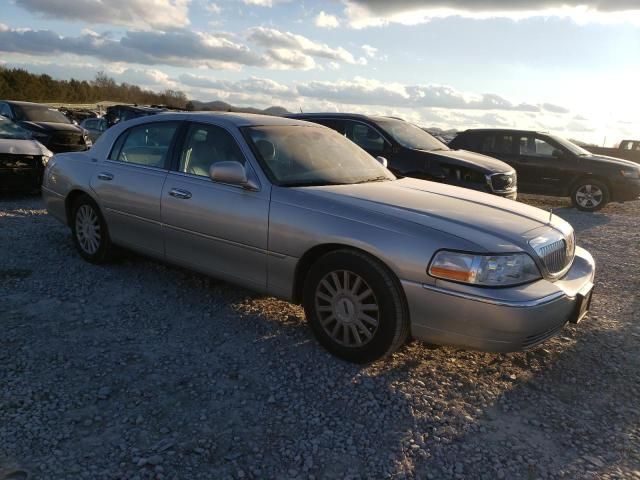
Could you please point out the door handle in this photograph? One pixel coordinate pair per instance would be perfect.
(105, 176)
(182, 194)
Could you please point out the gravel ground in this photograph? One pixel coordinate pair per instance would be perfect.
(138, 370)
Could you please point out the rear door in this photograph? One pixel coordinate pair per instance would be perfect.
(129, 185)
(216, 228)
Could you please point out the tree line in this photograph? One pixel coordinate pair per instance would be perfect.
(19, 84)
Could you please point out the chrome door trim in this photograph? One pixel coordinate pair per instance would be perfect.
(502, 303)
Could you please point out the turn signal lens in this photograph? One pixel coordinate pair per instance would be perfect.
(486, 270)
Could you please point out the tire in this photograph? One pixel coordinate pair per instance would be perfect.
(355, 306)
(590, 195)
(89, 231)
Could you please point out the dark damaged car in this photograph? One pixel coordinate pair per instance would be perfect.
(412, 152)
(47, 125)
(22, 159)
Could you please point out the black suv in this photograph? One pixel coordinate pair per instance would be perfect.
(412, 152)
(47, 125)
(551, 165)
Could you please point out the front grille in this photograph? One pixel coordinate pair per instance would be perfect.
(503, 181)
(18, 162)
(533, 340)
(68, 139)
(554, 256)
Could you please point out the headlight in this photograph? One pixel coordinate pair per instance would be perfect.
(485, 270)
(45, 158)
(630, 173)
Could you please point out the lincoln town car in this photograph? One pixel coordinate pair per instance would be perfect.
(295, 210)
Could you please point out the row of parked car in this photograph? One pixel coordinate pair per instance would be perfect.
(496, 161)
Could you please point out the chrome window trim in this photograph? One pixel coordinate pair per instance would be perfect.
(207, 179)
(136, 165)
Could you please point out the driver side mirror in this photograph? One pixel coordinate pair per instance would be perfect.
(232, 173)
(559, 154)
(383, 161)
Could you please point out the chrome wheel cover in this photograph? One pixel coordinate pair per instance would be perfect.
(347, 308)
(589, 196)
(88, 229)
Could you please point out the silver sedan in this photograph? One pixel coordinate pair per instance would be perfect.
(295, 210)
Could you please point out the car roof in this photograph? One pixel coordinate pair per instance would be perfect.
(503, 130)
(21, 103)
(228, 118)
(344, 116)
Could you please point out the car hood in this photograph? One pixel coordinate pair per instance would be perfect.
(612, 161)
(23, 147)
(493, 223)
(51, 127)
(482, 162)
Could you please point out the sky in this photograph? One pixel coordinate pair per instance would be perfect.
(564, 66)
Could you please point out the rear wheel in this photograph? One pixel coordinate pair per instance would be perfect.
(590, 195)
(90, 234)
(355, 306)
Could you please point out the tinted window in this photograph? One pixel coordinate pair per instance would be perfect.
(364, 136)
(410, 136)
(40, 113)
(11, 131)
(90, 124)
(498, 144)
(5, 110)
(337, 125)
(146, 145)
(535, 147)
(205, 145)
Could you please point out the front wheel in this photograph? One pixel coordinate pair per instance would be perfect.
(90, 234)
(355, 306)
(590, 195)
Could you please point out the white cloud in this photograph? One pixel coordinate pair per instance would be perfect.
(213, 8)
(183, 48)
(367, 13)
(325, 20)
(133, 13)
(369, 51)
(275, 39)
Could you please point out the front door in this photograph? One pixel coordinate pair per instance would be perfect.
(216, 228)
(546, 167)
(129, 184)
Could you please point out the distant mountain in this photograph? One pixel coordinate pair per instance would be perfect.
(220, 106)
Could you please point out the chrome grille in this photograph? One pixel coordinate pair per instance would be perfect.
(554, 256)
(501, 182)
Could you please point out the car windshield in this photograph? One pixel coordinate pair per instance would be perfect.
(307, 156)
(11, 131)
(40, 113)
(572, 147)
(410, 136)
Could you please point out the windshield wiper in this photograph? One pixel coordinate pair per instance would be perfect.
(381, 178)
(312, 183)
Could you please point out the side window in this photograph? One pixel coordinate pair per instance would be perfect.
(365, 137)
(535, 147)
(90, 124)
(498, 144)
(205, 145)
(337, 125)
(5, 111)
(146, 145)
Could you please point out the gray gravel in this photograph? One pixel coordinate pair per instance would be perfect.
(139, 370)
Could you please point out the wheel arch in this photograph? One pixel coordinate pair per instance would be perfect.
(311, 256)
(69, 200)
(589, 176)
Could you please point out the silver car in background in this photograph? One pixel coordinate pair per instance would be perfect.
(295, 210)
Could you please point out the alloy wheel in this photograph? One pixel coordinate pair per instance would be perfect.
(589, 196)
(347, 307)
(88, 229)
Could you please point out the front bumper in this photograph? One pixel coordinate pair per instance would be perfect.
(497, 320)
(628, 190)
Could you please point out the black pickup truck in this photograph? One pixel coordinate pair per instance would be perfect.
(628, 150)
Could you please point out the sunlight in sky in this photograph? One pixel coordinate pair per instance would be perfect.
(563, 66)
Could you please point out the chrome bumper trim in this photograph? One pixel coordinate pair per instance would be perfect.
(503, 303)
